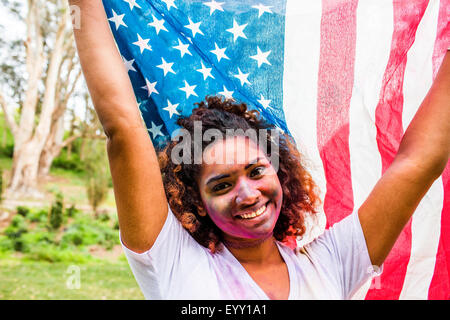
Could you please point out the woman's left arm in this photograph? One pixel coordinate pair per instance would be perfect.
(421, 158)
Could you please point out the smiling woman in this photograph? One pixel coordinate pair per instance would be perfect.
(214, 229)
(236, 179)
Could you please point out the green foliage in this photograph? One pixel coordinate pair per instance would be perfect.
(1, 185)
(72, 211)
(14, 232)
(17, 227)
(72, 163)
(85, 231)
(104, 216)
(6, 244)
(53, 254)
(55, 218)
(7, 151)
(40, 216)
(22, 210)
(31, 236)
(97, 174)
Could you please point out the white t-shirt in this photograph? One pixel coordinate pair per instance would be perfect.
(336, 265)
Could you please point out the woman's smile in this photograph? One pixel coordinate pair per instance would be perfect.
(252, 214)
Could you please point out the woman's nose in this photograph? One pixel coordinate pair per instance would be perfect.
(247, 194)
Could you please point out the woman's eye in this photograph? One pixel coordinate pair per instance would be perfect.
(221, 186)
(257, 172)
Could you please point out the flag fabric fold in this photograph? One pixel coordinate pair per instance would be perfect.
(342, 77)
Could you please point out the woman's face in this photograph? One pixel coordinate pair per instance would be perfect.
(240, 189)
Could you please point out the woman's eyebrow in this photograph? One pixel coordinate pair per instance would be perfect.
(251, 163)
(219, 177)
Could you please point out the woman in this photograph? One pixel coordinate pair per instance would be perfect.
(233, 215)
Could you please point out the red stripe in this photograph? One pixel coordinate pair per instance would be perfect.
(335, 83)
(440, 283)
(388, 117)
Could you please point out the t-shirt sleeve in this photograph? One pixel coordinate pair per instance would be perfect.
(341, 252)
(171, 257)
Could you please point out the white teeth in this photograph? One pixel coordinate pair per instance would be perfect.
(254, 214)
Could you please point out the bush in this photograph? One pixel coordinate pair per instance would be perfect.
(73, 163)
(22, 210)
(17, 227)
(87, 232)
(72, 211)
(55, 218)
(6, 244)
(104, 216)
(14, 232)
(38, 216)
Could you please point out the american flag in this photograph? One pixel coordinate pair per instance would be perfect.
(343, 77)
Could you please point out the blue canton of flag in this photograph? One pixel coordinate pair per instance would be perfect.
(178, 52)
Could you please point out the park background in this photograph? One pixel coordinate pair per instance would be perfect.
(59, 235)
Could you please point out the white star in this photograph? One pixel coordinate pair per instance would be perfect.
(261, 57)
(227, 94)
(237, 30)
(262, 8)
(150, 87)
(205, 71)
(158, 24)
(118, 20)
(142, 44)
(183, 48)
(171, 108)
(132, 4)
(129, 64)
(243, 77)
(264, 102)
(194, 27)
(220, 53)
(213, 6)
(170, 4)
(167, 67)
(189, 90)
(155, 130)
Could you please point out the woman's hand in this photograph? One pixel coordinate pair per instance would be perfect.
(422, 156)
(138, 188)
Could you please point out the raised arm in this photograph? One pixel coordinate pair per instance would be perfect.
(138, 188)
(420, 160)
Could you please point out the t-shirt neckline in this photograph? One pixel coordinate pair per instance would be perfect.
(291, 272)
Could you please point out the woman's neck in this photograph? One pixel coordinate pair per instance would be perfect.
(261, 251)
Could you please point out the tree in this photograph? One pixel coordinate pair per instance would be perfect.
(51, 75)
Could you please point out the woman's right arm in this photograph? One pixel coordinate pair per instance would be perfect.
(138, 188)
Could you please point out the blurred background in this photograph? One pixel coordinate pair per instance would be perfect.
(59, 235)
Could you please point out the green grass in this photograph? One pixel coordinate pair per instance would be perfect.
(25, 280)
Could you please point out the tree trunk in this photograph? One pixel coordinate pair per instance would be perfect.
(29, 143)
(52, 147)
(24, 172)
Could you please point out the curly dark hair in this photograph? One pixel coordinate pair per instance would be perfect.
(300, 193)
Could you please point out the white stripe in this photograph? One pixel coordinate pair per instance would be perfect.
(426, 221)
(301, 69)
(373, 45)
